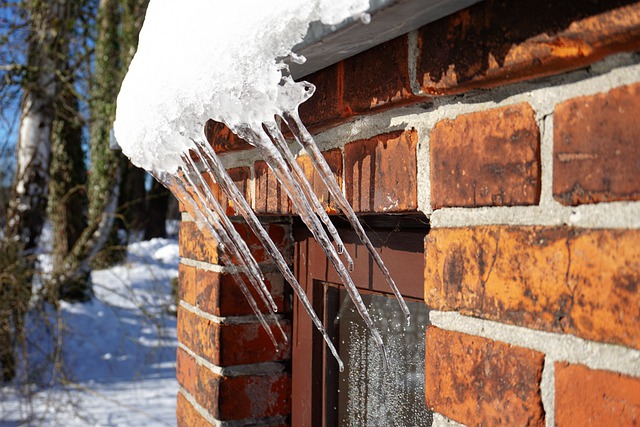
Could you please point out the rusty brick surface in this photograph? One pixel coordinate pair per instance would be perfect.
(587, 397)
(187, 284)
(378, 77)
(220, 295)
(496, 42)
(222, 139)
(234, 398)
(195, 245)
(270, 197)
(334, 160)
(230, 344)
(381, 173)
(559, 279)
(325, 106)
(187, 416)
(488, 158)
(480, 382)
(280, 235)
(240, 177)
(596, 150)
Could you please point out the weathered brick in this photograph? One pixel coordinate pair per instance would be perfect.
(334, 160)
(480, 382)
(280, 234)
(187, 416)
(240, 177)
(494, 42)
(195, 245)
(378, 78)
(596, 150)
(187, 283)
(587, 397)
(222, 139)
(238, 397)
(325, 106)
(270, 197)
(559, 279)
(220, 295)
(381, 173)
(488, 158)
(226, 344)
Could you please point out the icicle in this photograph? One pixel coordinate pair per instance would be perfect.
(306, 140)
(230, 237)
(179, 190)
(281, 145)
(214, 167)
(278, 165)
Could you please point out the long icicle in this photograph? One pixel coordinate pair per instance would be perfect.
(283, 174)
(178, 189)
(280, 143)
(213, 166)
(235, 240)
(306, 140)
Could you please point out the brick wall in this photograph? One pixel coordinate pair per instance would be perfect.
(515, 130)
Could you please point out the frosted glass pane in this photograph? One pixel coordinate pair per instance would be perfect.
(368, 395)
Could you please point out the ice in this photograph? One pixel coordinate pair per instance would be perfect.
(202, 60)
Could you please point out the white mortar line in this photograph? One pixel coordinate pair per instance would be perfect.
(548, 392)
(253, 369)
(423, 158)
(229, 320)
(440, 420)
(199, 409)
(412, 62)
(556, 347)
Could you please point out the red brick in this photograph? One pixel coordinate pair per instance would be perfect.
(187, 416)
(480, 382)
(559, 279)
(378, 78)
(220, 295)
(280, 235)
(488, 158)
(222, 139)
(230, 344)
(495, 43)
(334, 160)
(596, 150)
(381, 173)
(240, 177)
(238, 397)
(195, 245)
(586, 397)
(271, 198)
(324, 106)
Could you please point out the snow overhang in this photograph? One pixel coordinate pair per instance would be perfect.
(325, 45)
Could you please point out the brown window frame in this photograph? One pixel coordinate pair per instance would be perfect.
(400, 241)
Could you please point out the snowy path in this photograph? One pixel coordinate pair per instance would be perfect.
(119, 351)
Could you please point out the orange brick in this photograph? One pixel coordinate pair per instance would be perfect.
(334, 160)
(488, 158)
(229, 344)
(271, 198)
(378, 78)
(495, 42)
(222, 139)
(586, 397)
(381, 173)
(240, 176)
(195, 245)
(188, 284)
(596, 150)
(220, 295)
(480, 382)
(280, 234)
(324, 106)
(558, 279)
(238, 397)
(187, 416)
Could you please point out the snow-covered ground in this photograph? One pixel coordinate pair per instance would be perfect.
(118, 354)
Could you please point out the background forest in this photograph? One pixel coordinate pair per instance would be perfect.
(61, 66)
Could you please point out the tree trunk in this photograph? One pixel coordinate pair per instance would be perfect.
(25, 214)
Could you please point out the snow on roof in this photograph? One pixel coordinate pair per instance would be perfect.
(201, 59)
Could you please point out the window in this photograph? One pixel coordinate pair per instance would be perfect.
(364, 394)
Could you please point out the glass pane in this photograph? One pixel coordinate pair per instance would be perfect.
(369, 395)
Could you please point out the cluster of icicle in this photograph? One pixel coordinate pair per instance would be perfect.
(185, 155)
